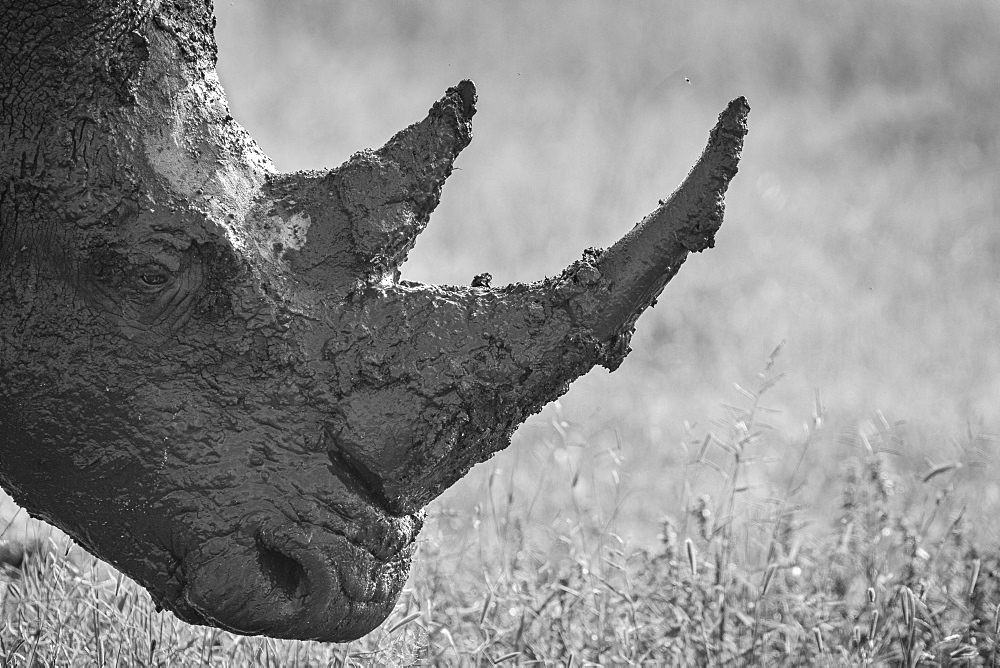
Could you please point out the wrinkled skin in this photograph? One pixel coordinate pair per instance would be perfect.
(212, 374)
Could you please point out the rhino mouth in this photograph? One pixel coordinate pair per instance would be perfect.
(299, 581)
(359, 480)
(314, 553)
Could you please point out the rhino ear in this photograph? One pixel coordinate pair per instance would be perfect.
(359, 221)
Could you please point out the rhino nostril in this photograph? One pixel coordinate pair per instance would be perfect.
(285, 573)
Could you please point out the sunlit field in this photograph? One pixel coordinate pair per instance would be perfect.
(715, 499)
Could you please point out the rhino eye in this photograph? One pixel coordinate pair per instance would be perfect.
(153, 279)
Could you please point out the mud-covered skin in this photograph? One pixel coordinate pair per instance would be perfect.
(212, 374)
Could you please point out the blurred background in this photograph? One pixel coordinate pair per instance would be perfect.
(863, 228)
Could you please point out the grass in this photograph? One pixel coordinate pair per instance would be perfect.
(876, 562)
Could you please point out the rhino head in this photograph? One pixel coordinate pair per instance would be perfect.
(212, 374)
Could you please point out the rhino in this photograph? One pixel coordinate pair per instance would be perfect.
(213, 375)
